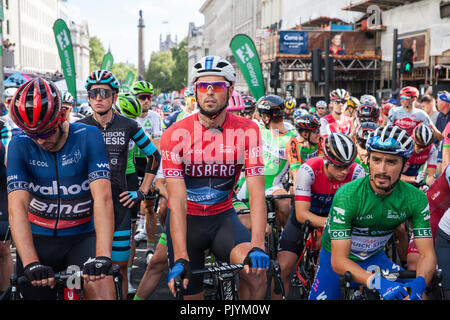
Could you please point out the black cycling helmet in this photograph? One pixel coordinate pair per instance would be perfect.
(363, 132)
(368, 113)
(306, 122)
(339, 149)
(271, 105)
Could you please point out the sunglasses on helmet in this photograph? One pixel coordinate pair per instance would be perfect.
(104, 93)
(217, 86)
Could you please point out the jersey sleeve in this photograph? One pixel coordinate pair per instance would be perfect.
(420, 215)
(432, 157)
(293, 154)
(341, 215)
(359, 172)
(171, 155)
(305, 179)
(254, 165)
(98, 165)
(142, 140)
(157, 131)
(5, 133)
(16, 166)
(447, 136)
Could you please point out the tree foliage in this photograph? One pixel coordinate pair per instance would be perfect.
(97, 53)
(168, 71)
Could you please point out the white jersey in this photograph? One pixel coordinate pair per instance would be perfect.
(151, 124)
(407, 121)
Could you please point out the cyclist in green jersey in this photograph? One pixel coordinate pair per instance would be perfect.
(131, 108)
(280, 153)
(364, 215)
(308, 127)
(362, 133)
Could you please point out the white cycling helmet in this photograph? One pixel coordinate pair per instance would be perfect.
(9, 93)
(368, 99)
(214, 66)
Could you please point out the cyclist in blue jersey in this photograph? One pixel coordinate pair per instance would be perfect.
(117, 132)
(6, 262)
(58, 183)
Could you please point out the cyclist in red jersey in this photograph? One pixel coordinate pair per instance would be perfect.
(424, 153)
(439, 201)
(202, 159)
(336, 121)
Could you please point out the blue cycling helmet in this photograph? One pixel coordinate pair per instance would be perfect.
(391, 140)
(102, 77)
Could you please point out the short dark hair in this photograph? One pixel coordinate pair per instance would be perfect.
(427, 98)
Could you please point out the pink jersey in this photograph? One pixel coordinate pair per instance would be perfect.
(210, 161)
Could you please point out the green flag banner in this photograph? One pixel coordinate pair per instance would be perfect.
(247, 58)
(108, 61)
(128, 81)
(64, 44)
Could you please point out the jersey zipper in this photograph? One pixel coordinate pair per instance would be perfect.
(58, 197)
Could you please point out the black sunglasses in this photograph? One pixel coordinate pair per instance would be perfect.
(104, 93)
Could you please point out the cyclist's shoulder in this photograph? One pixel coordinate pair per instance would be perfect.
(355, 189)
(315, 163)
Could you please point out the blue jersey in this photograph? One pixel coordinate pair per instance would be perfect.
(61, 201)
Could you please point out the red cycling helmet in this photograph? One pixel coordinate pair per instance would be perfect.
(386, 108)
(36, 106)
(409, 92)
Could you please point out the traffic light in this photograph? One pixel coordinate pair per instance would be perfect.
(407, 60)
(316, 65)
(275, 82)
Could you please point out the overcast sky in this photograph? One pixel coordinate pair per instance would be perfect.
(115, 22)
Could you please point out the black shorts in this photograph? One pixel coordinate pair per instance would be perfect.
(58, 253)
(122, 231)
(133, 185)
(218, 233)
(291, 237)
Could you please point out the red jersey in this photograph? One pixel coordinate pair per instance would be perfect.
(328, 125)
(210, 160)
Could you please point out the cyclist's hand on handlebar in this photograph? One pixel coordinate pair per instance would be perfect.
(256, 259)
(181, 268)
(418, 286)
(96, 268)
(389, 290)
(130, 198)
(40, 275)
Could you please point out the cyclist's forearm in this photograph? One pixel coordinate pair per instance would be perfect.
(147, 182)
(104, 225)
(408, 179)
(21, 229)
(258, 215)
(178, 212)
(343, 264)
(315, 220)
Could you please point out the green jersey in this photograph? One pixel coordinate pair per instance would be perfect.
(369, 219)
(280, 154)
(130, 162)
(308, 153)
(365, 166)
